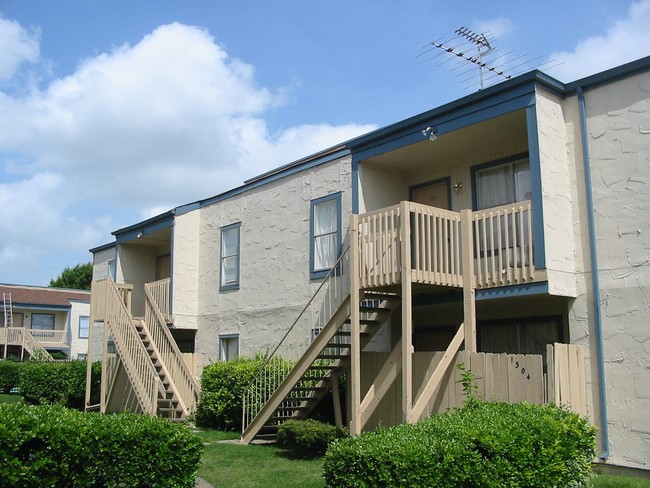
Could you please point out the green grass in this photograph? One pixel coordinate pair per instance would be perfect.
(610, 481)
(5, 398)
(238, 466)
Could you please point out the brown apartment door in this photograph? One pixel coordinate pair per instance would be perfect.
(435, 194)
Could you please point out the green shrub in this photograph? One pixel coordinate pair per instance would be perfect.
(9, 375)
(481, 445)
(222, 387)
(43, 383)
(307, 438)
(51, 446)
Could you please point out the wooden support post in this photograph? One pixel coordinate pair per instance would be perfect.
(469, 282)
(89, 352)
(407, 313)
(355, 329)
(336, 399)
(102, 395)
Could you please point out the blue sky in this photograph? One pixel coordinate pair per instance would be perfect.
(111, 112)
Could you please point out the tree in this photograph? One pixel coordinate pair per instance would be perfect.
(79, 277)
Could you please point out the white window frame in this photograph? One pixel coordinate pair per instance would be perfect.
(315, 271)
(223, 347)
(225, 255)
(87, 328)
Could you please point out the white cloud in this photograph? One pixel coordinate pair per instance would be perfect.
(494, 28)
(626, 40)
(164, 122)
(17, 45)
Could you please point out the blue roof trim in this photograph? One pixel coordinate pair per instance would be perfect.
(537, 288)
(289, 170)
(146, 227)
(103, 247)
(32, 306)
(608, 76)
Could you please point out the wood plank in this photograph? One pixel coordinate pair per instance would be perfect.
(434, 381)
(384, 379)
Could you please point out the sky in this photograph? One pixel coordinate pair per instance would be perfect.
(113, 112)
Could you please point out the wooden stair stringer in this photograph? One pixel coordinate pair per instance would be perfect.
(296, 374)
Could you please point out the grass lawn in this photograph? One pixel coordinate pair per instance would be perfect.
(4, 398)
(236, 465)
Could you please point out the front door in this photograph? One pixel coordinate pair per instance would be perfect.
(434, 194)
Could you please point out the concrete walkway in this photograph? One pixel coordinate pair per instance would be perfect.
(201, 483)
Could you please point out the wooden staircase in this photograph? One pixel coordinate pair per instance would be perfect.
(316, 373)
(167, 401)
(159, 379)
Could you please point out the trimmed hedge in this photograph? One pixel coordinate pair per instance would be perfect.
(481, 445)
(9, 375)
(222, 387)
(43, 383)
(51, 446)
(307, 438)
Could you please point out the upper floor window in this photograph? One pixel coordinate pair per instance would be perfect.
(112, 269)
(230, 257)
(325, 234)
(502, 183)
(43, 321)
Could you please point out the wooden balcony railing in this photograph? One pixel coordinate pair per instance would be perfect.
(17, 336)
(501, 239)
(159, 292)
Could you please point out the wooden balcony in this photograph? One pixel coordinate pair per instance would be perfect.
(20, 336)
(495, 245)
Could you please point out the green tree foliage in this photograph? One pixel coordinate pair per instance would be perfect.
(78, 277)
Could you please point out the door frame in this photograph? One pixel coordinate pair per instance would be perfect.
(419, 186)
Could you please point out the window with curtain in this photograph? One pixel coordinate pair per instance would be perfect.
(229, 347)
(502, 184)
(325, 234)
(42, 321)
(230, 257)
(84, 327)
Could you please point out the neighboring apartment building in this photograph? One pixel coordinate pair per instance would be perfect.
(513, 195)
(41, 320)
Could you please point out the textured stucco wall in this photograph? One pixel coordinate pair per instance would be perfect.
(185, 272)
(274, 259)
(77, 344)
(618, 116)
(558, 197)
(100, 263)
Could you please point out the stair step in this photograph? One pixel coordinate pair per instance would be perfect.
(364, 322)
(331, 356)
(308, 388)
(289, 409)
(338, 345)
(365, 308)
(321, 368)
(377, 295)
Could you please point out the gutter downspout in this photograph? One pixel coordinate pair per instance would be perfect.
(594, 278)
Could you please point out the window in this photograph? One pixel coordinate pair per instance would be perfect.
(503, 183)
(230, 257)
(84, 327)
(112, 269)
(43, 321)
(325, 234)
(229, 347)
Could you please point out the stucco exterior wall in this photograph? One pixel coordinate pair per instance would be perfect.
(618, 122)
(274, 259)
(100, 263)
(185, 270)
(137, 266)
(78, 345)
(558, 198)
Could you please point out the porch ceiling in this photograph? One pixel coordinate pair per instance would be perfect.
(160, 240)
(494, 135)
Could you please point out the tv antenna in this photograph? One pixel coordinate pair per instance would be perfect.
(475, 53)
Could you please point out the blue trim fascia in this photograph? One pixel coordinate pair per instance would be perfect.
(55, 308)
(291, 170)
(608, 76)
(229, 286)
(444, 179)
(103, 247)
(595, 280)
(525, 289)
(539, 246)
(155, 224)
(183, 209)
(322, 273)
(444, 119)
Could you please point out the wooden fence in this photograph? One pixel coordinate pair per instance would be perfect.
(507, 378)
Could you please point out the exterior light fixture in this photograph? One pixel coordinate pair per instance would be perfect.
(429, 132)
